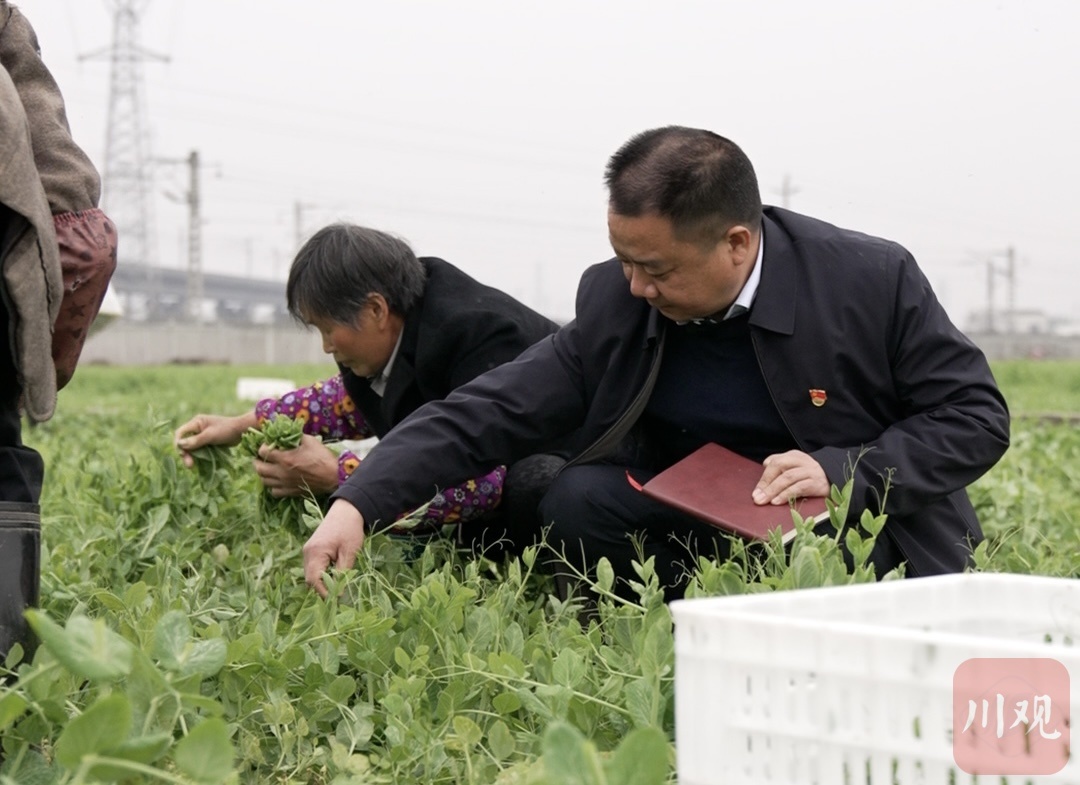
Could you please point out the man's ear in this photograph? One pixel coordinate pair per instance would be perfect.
(742, 243)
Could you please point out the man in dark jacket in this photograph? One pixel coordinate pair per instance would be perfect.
(816, 350)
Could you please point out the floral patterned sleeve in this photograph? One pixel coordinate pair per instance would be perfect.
(324, 408)
(467, 501)
(459, 504)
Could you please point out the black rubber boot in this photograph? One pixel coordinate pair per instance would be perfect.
(20, 574)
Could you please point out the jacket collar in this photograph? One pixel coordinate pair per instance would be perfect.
(403, 373)
(774, 307)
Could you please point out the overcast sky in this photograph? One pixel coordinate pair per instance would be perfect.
(478, 129)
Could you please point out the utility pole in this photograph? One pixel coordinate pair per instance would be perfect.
(194, 298)
(195, 275)
(1010, 279)
(1009, 272)
(787, 190)
(298, 221)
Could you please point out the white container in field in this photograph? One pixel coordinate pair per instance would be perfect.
(255, 388)
(854, 685)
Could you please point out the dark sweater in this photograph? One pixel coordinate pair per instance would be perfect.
(710, 389)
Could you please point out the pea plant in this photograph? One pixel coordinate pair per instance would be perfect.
(281, 433)
(178, 642)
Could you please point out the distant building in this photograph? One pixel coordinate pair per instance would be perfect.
(1022, 321)
(159, 294)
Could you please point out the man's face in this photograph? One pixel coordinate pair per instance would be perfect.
(680, 278)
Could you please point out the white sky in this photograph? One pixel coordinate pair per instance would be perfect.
(478, 129)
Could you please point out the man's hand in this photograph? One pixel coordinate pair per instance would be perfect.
(204, 430)
(336, 542)
(311, 467)
(789, 475)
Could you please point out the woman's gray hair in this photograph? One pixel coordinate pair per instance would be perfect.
(336, 271)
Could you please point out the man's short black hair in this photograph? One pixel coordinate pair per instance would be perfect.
(701, 182)
(342, 265)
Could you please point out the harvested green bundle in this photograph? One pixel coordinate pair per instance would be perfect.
(281, 433)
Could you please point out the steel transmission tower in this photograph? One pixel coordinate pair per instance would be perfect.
(128, 182)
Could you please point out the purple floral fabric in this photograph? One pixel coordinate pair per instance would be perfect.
(326, 410)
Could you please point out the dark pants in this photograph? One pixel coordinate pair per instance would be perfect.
(593, 511)
(515, 524)
(21, 474)
(21, 468)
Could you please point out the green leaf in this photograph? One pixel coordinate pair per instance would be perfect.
(341, 689)
(109, 600)
(639, 696)
(506, 703)
(144, 750)
(568, 758)
(500, 740)
(467, 730)
(12, 706)
(872, 523)
(146, 687)
(177, 652)
(605, 574)
(642, 758)
(136, 595)
(569, 668)
(14, 656)
(86, 648)
(171, 635)
(807, 568)
(208, 706)
(205, 754)
(204, 658)
(101, 728)
(30, 768)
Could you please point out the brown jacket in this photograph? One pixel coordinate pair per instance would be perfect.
(42, 173)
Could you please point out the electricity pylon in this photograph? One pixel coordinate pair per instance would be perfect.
(128, 181)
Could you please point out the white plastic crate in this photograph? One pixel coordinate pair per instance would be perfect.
(255, 388)
(853, 685)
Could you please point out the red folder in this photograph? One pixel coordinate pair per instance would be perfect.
(715, 484)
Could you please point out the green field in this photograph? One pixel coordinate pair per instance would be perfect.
(182, 646)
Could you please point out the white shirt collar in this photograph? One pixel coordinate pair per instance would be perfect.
(746, 294)
(749, 291)
(378, 383)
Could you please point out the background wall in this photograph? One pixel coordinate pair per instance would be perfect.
(132, 343)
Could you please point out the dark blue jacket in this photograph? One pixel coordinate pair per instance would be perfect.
(907, 395)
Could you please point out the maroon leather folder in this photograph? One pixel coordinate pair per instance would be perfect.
(715, 484)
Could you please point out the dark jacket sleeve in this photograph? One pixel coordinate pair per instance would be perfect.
(498, 418)
(951, 424)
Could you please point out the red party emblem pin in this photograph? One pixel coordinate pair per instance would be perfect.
(818, 397)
